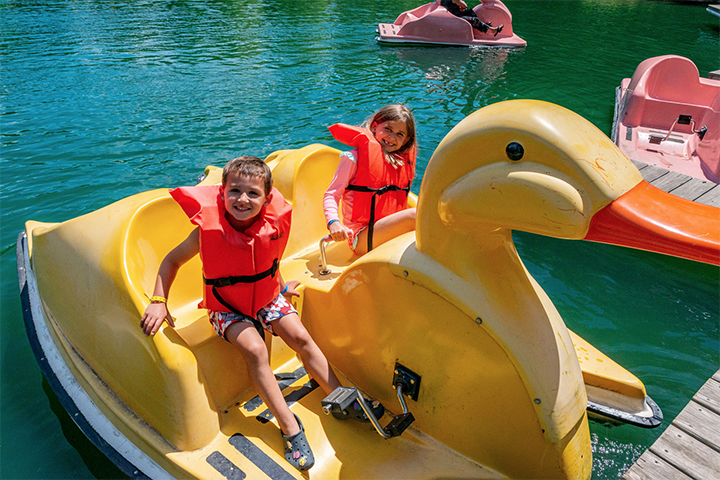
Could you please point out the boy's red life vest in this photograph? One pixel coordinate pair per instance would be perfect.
(380, 189)
(239, 268)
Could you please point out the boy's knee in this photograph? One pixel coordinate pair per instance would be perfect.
(302, 340)
(255, 351)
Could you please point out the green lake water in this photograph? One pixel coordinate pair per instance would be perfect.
(103, 99)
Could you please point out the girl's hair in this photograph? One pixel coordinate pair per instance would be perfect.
(250, 166)
(401, 113)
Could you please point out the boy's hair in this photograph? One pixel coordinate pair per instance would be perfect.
(250, 166)
(396, 112)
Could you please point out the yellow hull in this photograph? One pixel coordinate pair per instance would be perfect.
(496, 400)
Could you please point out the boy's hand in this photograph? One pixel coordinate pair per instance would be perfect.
(154, 316)
(339, 232)
(291, 286)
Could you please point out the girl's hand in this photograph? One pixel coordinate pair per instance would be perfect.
(339, 232)
(291, 286)
(153, 318)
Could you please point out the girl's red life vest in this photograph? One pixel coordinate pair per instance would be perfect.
(380, 189)
(239, 268)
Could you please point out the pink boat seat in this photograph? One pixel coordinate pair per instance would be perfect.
(660, 91)
(496, 13)
(416, 13)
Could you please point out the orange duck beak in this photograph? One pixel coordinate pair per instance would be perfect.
(648, 218)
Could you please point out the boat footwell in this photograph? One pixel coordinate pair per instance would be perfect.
(245, 446)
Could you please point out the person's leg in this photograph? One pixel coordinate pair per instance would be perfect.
(387, 228)
(246, 339)
(296, 336)
(478, 24)
(294, 333)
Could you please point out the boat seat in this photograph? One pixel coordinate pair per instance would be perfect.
(416, 13)
(305, 177)
(155, 229)
(663, 88)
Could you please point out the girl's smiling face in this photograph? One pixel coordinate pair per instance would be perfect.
(243, 196)
(391, 135)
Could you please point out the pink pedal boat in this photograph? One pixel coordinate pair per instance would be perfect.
(433, 24)
(669, 117)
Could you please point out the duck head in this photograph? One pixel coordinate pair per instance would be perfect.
(537, 167)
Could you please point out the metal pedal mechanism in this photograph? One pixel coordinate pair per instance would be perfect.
(681, 120)
(405, 382)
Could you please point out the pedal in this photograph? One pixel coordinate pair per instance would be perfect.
(340, 399)
(398, 424)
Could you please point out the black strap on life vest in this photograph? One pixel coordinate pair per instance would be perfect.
(228, 281)
(375, 192)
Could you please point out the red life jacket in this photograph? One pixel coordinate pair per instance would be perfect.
(380, 189)
(239, 268)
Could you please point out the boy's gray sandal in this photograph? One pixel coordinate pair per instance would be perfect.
(297, 449)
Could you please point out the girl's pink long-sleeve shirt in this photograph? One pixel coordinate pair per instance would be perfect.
(336, 195)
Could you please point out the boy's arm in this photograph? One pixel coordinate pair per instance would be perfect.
(156, 313)
(291, 286)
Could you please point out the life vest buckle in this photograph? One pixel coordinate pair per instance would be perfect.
(223, 282)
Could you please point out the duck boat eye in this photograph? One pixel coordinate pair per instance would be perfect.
(514, 151)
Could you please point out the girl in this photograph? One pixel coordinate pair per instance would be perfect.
(372, 182)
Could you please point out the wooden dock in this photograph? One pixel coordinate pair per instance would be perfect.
(690, 447)
(684, 186)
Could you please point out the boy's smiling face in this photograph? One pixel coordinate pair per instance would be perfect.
(244, 196)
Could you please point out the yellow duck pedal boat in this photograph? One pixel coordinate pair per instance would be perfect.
(501, 387)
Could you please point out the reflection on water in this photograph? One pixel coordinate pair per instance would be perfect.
(458, 78)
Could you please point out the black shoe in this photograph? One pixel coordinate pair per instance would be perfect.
(297, 449)
(499, 29)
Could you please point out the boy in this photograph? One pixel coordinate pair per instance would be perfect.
(243, 227)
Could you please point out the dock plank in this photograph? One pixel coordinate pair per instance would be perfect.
(683, 186)
(703, 423)
(687, 454)
(693, 189)
(639, 165)
(671, 181)
(690, 446)
(651, 173)
(651, 467)
(709, 396)
(711, 198)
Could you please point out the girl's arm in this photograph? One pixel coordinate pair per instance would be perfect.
(157, 312)
(343, 175)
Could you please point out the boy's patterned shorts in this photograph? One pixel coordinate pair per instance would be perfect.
(274, 310)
